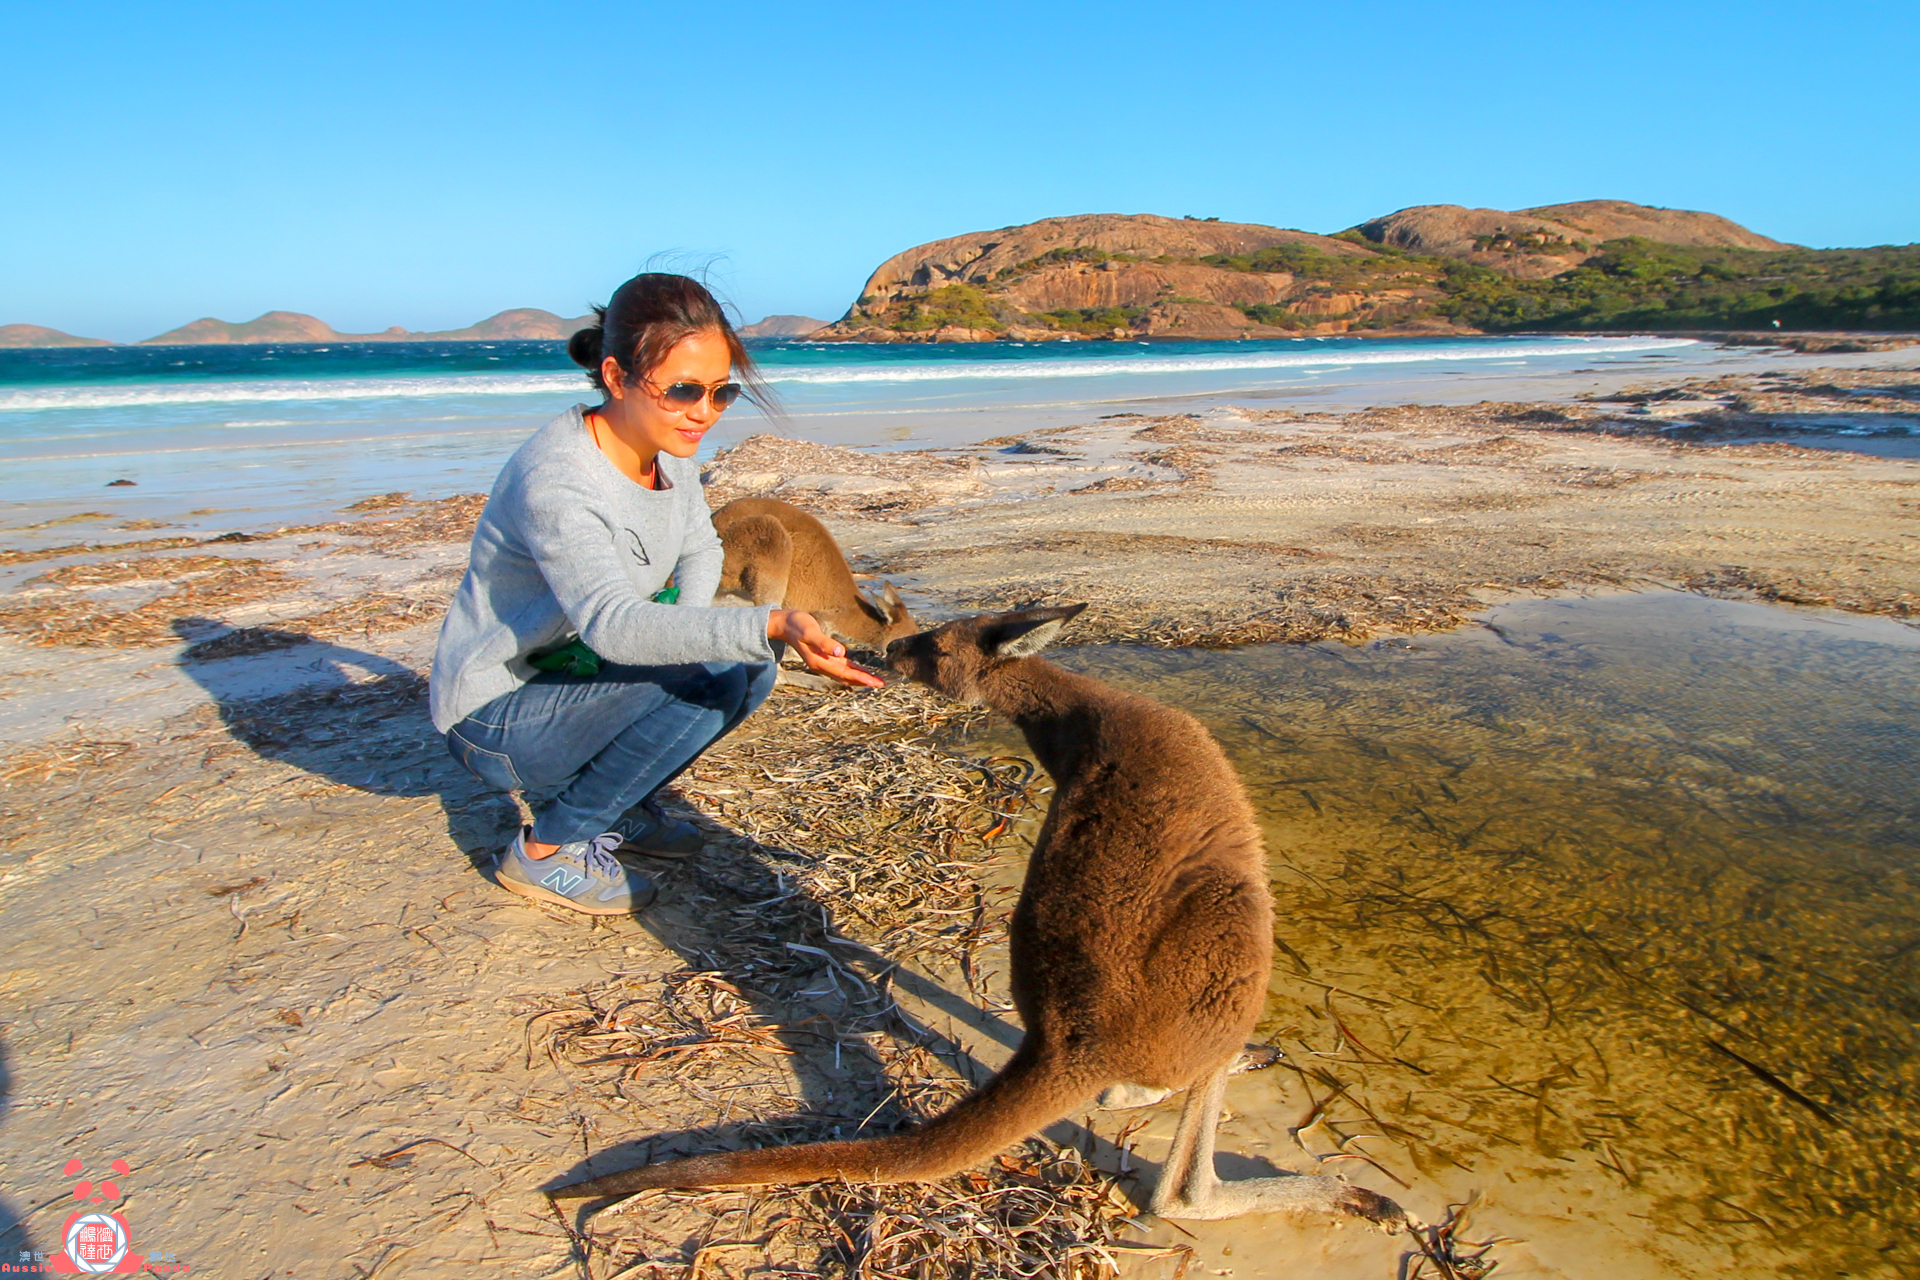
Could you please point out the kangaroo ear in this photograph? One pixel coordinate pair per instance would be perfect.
(892, 605)
(1022, 634)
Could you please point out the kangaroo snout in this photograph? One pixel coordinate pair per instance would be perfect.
(952, 658)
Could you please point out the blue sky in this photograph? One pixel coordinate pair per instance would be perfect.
(427, 164)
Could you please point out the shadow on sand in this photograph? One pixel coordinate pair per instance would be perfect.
(16, 1227)
(359, 720)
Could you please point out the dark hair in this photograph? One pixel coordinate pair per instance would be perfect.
(646, 318)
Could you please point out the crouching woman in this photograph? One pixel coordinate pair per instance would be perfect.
(566, 667)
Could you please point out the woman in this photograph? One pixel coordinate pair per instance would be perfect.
(561, 668)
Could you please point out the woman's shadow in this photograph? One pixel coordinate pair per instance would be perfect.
(359, 720)
(354, 718)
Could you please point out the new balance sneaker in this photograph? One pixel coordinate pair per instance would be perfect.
(582, 874)
(649, 830)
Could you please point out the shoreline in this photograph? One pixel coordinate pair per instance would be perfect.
(1812, 341)
(1233, 526)
(292, 472)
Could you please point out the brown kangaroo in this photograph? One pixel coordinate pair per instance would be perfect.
(1141, 944)
(778, 554)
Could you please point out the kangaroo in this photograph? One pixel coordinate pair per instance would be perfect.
(778, 554)
(1141, 944)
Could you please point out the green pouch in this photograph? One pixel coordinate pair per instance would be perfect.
(572, 658)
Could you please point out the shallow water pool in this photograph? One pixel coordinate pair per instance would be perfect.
(1600, 919)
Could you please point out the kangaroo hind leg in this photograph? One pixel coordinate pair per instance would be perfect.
(1190, 1189)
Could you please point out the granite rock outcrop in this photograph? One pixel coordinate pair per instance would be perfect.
(1146, 276)
(1113, 275)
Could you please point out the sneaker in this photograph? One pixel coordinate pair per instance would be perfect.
(581, 874)
(648, 830)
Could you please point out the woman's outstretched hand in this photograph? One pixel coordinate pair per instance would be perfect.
(820, 651)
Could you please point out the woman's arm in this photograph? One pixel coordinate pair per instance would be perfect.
(579, 553)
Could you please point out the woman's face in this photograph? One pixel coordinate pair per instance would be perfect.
(640, 411)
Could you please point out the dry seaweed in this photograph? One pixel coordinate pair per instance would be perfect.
(114, 573)
(849, 481)
(67, 759)
(430, 520)
(854, 806)
(69, 616)
(360, 618)
(29, 556)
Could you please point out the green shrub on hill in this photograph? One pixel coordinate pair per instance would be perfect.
(1078, 253)
(1092, 320)
(1639, 284)
(953, 304)
(1273, 315)
(1543, 242)
(1340, 274)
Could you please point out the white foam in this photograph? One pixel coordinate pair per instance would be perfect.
(876, 371)
(942, 371)
(272, 392)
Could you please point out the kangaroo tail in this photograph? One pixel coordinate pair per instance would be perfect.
(1034, 1089)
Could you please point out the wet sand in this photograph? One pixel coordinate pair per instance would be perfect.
(253, 951)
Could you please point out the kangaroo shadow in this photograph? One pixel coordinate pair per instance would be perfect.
(359, 720)
(16, 1238)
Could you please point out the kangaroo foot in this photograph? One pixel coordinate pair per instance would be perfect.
(1256, 1057)
(1124, 1097)
(1301, 1194)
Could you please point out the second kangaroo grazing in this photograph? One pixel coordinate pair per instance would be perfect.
(778, 554)
(1141, 945)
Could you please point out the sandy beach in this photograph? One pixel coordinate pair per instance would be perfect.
(254, 950)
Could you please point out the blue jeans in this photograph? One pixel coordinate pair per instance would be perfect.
(604, 742)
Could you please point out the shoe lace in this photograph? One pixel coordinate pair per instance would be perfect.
(599, 857)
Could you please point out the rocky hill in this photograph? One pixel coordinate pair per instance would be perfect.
(34, 335)
(1533, 244)
(1594, 264)
(1101, 275)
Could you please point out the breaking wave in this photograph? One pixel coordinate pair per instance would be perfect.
(804, 366)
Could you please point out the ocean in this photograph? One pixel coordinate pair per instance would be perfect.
(243, 437)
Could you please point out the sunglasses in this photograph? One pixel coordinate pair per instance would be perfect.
(685, 395)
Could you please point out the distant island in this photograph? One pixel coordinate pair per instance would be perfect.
(1431, 269)
(36, 335)
(518, 324)
(783, 327)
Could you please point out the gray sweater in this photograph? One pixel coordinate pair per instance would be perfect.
(569, 545)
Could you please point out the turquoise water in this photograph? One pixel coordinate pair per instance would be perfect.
(266, 433)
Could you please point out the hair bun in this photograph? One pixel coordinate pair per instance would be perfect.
(585, 346)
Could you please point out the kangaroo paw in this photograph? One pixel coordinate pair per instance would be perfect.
(1125, 1097)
